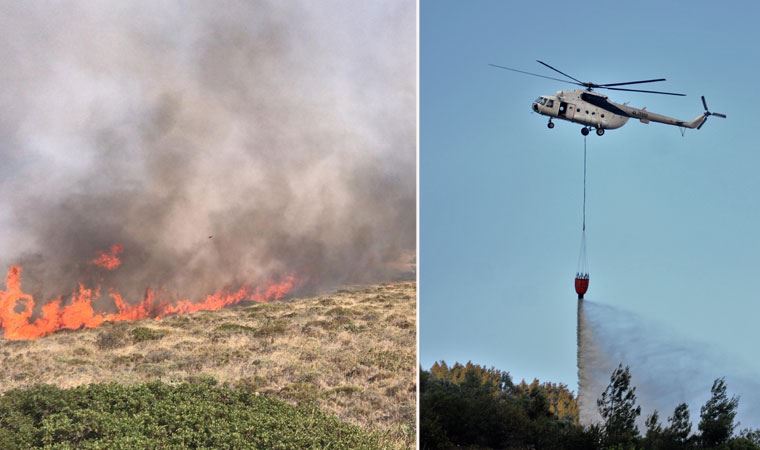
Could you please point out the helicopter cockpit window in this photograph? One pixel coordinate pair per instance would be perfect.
(538, 100)
(550, 103)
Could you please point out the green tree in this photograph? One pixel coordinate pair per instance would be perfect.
(440, 370)
(492, 378)
(653, 424)
(653, 437)
(680, 424)
(717, 416)
(747, 440)
(617, 406)
(466, 405)
(562, 402)
(752, 436)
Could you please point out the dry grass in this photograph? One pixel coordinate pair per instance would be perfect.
(352, 353)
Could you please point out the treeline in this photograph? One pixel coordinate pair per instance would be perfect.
(475, 407)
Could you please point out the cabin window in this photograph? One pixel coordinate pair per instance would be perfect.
(602, 115)
(587, 111)
(593, 113)
(577, 109)
(550, 103)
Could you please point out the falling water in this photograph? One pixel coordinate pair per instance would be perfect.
(592, 374)
(666, 369)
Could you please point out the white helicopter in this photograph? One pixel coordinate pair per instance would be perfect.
(592, 110)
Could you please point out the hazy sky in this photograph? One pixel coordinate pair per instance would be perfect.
(673, 221)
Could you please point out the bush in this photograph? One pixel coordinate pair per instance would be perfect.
(111, 337)
(268, 329)
(199, 414)
(141, 334)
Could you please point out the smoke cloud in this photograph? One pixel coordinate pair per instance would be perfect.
(666, 369)
(218, 142)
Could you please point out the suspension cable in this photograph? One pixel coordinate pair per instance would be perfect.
(584, 183)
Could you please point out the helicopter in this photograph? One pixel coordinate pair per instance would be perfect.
(597, 111)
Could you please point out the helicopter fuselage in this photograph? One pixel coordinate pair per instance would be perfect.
(595, 110)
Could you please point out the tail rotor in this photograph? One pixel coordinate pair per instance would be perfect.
(707, 113)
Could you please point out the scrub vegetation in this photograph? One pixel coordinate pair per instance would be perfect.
(469, 406)
(350, 354)
(198, 414)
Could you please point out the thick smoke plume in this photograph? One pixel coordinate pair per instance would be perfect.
(217, 143)
(666, 369)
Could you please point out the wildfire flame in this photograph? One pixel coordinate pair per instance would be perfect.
(109, 260)
(17, 307)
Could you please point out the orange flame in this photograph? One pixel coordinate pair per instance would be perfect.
(109, 260)
(16, 306)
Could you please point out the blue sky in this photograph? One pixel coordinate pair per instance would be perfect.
(672, 221)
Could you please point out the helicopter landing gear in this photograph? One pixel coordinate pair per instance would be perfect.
(599, 131)
(584, 131)
(550, 124)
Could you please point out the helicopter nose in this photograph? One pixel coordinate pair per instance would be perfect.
(535, 107)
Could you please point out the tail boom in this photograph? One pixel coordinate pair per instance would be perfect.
(645, 116)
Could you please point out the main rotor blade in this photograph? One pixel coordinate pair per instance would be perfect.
(639, 90)
(563, 73)
(534, 74)
(718, 115)
(704, 103)
(631, 82)
(701, 124)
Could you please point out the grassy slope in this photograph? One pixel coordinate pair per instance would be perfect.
(352, 353)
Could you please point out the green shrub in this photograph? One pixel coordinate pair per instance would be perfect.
(141, 334)
(347, 389)
(234, 328)
(111, 337)
(272, 328)
(198, 414)
(269, 328)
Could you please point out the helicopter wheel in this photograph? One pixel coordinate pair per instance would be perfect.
(584, 131)
(599, 131)
(550, 124)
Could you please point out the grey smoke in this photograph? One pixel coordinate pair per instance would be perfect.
(666, 369)
(284, 129)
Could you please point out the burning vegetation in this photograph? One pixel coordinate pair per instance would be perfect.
(109, 260)
(19, 320)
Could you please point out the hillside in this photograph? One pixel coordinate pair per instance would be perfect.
(352, 353)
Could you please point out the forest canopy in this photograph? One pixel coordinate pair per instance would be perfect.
(468, 405)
